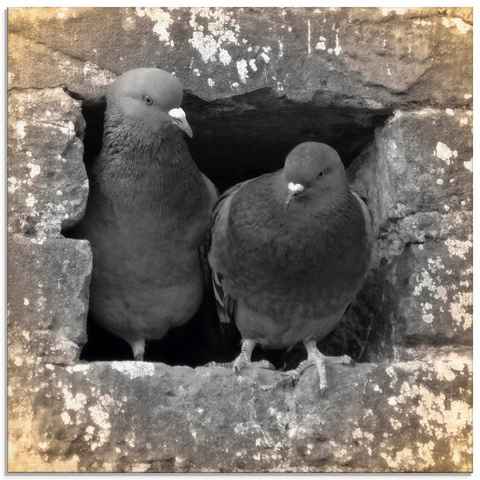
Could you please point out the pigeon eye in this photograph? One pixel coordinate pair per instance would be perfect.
(148, 100)
(324, 172)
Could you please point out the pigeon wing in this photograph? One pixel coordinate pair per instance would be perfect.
(205, 245)
(368, 220)
(226, 305)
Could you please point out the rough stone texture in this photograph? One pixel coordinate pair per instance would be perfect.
(418, 180)
(47, 183)
(361, 57)
(410, 415)
(332, 74)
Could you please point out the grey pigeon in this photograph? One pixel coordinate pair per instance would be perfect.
(289, 252)
(148, 212)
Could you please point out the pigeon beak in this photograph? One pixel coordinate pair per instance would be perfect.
(180, 120)
(294, 189)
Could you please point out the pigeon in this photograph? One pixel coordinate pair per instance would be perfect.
(148, 211)
(289, 251)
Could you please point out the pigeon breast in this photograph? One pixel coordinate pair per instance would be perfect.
(292, 261)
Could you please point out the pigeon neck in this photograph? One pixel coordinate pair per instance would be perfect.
(125, 137)
(154, 163)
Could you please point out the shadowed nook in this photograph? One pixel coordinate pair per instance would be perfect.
(235, 139)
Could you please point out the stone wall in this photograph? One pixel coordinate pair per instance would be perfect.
(405, 76)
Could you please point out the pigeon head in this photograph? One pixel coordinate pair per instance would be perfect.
(151, 97)
(313, 170)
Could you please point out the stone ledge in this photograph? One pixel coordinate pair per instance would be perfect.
(376, 417)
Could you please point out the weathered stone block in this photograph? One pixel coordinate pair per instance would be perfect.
(417, 177)
(371, 58)
(48, 298)
(132, 416)
(47, 181)
(434, 292)
(421, 162)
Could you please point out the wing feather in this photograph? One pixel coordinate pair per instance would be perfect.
(226, 305)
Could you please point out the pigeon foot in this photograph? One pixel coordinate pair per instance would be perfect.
(317, 359)
(244, 359)
(291, 377)
(320, 360)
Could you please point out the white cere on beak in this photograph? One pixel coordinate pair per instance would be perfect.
(295, 187)
(177, 114)
(180, 119)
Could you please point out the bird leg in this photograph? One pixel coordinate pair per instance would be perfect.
(138, 349)
(245, 357)
(317, 359)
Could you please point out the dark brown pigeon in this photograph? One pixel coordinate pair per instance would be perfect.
(289, 252)
(148, 212)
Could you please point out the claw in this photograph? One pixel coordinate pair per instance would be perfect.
(243, 359)
(323, 390)
(240, 362)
